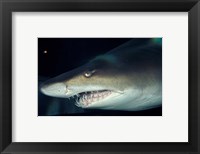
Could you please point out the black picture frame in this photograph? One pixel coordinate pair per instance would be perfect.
(9, 6)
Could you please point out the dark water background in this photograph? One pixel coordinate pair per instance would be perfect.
(59, 55)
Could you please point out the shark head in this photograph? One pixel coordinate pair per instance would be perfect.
(99, 84)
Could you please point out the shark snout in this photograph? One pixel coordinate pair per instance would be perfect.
(54, 90)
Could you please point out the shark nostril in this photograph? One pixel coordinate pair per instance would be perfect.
(67, 90)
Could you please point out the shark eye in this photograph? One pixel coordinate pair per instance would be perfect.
(89, 73)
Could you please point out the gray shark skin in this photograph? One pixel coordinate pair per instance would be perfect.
(127, 78)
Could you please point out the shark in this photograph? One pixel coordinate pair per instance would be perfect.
(127, 78)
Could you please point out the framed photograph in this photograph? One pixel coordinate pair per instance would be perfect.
(99, 76)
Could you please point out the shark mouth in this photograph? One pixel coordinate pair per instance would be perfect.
(84, 99)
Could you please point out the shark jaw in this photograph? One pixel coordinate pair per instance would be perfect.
(90, 99)
(85, 97)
